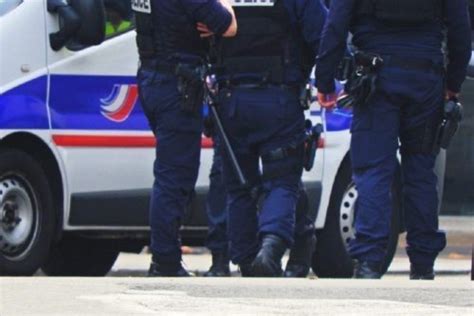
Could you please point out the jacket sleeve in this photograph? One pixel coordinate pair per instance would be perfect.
(459, 46)
(210, 12)
(311, 16)
(333, 43)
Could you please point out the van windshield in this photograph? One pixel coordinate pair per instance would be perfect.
(8, 5)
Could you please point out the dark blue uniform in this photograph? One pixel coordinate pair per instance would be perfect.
(167, 36)
(263, 115)
(406, 107)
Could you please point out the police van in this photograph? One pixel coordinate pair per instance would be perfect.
(76, 152)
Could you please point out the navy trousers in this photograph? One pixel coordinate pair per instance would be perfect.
(216, 207)
(304, 224)
(406, 109)
(259, 121)
(178, 135)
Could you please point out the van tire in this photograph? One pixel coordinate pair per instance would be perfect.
(27, 217)
(331, 259)
(75, 256)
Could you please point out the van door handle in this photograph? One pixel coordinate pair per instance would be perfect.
(25, 68)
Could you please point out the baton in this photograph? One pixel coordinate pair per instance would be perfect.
(228, 146)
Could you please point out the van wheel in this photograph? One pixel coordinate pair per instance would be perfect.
(26, 214)
(75, 256)
(331, 259)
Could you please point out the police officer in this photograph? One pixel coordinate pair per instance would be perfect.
(171, 55)
(118, 17)
(400, 42)
(260, 75)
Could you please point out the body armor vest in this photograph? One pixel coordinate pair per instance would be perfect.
(164, 36)
(263, 42)
(401, 12)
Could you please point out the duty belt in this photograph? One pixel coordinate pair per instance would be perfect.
(255, 83)
(163, 67)
(407, 63)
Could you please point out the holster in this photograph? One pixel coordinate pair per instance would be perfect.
(191, 87)
(362, 84)
(305, 96)
(453, 115)
(313, 134)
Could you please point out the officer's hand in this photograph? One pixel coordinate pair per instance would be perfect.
(327, 101)
(204, 30)
(451, 95)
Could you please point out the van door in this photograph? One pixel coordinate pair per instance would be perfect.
(23, 73)
(98, 124)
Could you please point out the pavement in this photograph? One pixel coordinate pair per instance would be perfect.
(459, 233)
(233, 296)
(126, 290)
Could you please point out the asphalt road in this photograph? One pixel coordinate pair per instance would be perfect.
(234, 296)
(126, 292)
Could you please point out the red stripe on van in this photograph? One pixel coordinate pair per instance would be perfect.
(207, 143)
(321, 143)
(113, 141)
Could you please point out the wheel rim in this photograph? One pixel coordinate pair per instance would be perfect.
(19, 215)
(347, 214)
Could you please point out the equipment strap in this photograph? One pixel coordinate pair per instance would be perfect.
(164, 67)
(281, 153)
(267, 69)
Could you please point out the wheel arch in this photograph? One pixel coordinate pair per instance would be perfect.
(37, 148)
(329, 183)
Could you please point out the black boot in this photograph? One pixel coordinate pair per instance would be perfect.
(268, 260)
(220, 265)
(246, 270)
(164, 267)
(367, 270)
(300, 258)
(421, 272)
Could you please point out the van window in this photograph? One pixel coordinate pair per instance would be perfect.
(119, 17)
(8, 5)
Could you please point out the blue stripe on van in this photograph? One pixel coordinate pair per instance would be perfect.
(24, 107)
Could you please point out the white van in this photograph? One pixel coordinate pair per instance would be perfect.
(76, 153)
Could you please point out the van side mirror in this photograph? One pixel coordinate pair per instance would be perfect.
(92, 30)
(69, 23)
(82, 23)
